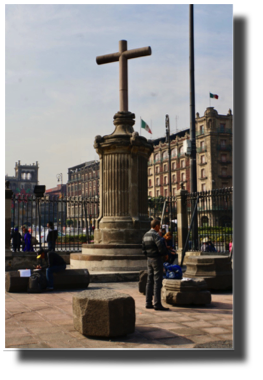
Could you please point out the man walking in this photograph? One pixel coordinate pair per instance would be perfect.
(154, 248)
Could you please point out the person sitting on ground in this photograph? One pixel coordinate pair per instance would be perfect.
(54, 264)
(170, 248)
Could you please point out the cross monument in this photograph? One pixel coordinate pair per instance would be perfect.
(122, 56)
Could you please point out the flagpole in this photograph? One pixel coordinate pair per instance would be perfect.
(209, 100)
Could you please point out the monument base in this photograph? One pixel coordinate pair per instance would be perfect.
(109, 258)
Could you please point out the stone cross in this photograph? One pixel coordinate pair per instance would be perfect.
(122, 56)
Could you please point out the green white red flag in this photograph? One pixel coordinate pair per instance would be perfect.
(214, 96)
(145, 126)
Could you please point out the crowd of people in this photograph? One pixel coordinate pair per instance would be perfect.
(25, 240)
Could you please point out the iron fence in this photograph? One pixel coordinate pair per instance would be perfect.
(73, 218)
(214, 218)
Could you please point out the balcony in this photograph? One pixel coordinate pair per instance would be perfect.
(202, 178)
(225, 176)
(201, 149)
(224, 147)
(224, 130)
(199, 133)
(202, 163)
(224, 162)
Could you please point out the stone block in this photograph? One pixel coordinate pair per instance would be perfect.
(190, 292)
(14, 283)
(103, 313)
(215, 270)
(69, 279)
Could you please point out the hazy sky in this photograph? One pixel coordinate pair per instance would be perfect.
(58, 99)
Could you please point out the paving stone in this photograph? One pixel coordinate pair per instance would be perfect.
(200, 324)
(215, 330)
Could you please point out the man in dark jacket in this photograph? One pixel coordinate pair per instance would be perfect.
(54, 264)
(51, 236)
(17, 239)
(154, 248)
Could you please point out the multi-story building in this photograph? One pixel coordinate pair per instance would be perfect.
(213, 157)
(25, 179)
(83, 180)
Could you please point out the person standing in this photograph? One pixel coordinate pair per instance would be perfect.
(154, 248)
(51, 236)
(27, 240)
(16, 236)
(54, 264)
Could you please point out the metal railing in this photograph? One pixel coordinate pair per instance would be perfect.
(214, 218)
(73, 218)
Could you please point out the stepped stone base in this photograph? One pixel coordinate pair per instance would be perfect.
(110, 257)
(103, 313)
(215, 270)
(186, 292)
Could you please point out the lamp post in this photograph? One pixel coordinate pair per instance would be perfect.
(167, 126)
(39, 192)
(193, 182)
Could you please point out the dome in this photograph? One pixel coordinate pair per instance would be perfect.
(210, 111)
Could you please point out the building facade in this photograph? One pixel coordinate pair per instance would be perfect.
(213, 157)
(25, 179)
(84, 181)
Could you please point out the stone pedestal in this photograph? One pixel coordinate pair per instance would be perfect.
(215, 270)
(186, 292)
(103, 313)
(123, 218)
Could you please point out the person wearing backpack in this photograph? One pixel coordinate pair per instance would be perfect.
(54, 264)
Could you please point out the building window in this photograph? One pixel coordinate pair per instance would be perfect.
(202, 130)
(166, 193)
(223, 172)
(157, 181)
(203, 173)
(183, 177)
(223, 143)
(157, 157)
(150, 182)
(174, 178)
(174, 190)
(165, 168)
(174, 152)
(181, 149)
(222, 127)
(165, 180)
(150, 193)
(149, 171)
(202, 145)
(165, 155)
(203, 187)
(173, 166)
(157, 169)
(203, 159)
(157, 193)
(183, 164)
(223, 157)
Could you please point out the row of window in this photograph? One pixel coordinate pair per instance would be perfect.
(90, 175)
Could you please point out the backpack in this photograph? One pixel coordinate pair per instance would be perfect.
(37, 283)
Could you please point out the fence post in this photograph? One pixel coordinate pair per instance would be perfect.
(8, 201)
(182, 223)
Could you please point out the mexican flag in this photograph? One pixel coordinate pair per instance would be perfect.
(145, 126)
(213, 96)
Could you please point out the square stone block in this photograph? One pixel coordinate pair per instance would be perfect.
(103, 313)
(190, 292)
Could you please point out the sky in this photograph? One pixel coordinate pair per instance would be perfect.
(57, 99)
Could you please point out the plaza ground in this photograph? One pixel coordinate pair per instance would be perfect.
(45, 321)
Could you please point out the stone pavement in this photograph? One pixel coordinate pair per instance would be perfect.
(45, 321)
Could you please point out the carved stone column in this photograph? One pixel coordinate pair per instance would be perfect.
(123, 218)
(182, 224)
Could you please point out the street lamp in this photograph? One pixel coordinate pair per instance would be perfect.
(167, 126)
(39, 191)
(60, 178)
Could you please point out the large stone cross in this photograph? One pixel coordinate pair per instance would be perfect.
(122, 56)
